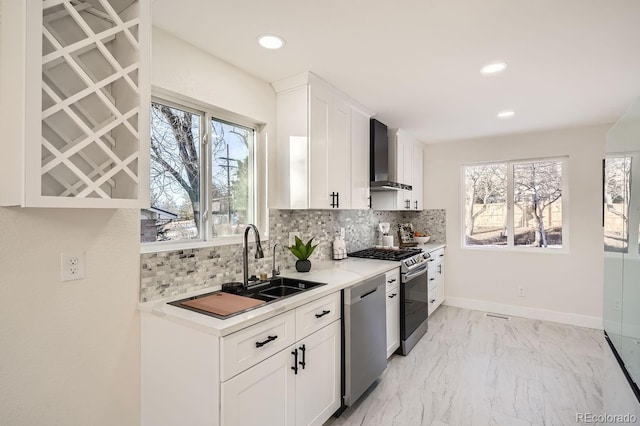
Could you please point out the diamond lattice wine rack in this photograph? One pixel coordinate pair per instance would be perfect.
(93, 103)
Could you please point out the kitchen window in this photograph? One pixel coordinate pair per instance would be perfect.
(202, 173)
(515, 204)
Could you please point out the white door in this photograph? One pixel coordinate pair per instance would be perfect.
(393, 321)
(262, 395)
(318, 383)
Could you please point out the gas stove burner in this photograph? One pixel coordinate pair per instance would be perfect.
(385, 253)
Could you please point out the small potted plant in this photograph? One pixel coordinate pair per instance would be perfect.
(302, 251)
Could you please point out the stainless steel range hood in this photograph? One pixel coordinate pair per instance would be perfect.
(379, 162)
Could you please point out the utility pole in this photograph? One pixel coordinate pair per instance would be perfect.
(228, 159)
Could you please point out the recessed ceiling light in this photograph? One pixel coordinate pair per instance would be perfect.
(505, 114)
(494, 68)
(271, 41)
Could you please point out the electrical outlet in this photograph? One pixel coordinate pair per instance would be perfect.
(342, 233)
(521, 291)
(72, 265)
(292, 238)
(617, 305)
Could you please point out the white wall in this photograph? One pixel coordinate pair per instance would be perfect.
(69, 352)
(559, 287)
(184, 70)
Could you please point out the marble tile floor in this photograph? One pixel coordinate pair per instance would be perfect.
(471, 369)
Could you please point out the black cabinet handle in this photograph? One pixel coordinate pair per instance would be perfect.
(391, 296)
(416, 205)
(441, 255)
(322, 314)
(335, 200)
(369, 197)
(269, 339)
(432, 300)
(407, 204)
(431, 279)
(303, 349)
(295, 361)
(391, 281)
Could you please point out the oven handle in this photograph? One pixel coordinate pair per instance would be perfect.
(419, 271)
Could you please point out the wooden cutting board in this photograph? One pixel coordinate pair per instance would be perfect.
(223, 304)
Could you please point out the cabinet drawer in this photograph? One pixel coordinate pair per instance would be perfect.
(251, 345)
(392, 279)
(315, 315)
(437, 256)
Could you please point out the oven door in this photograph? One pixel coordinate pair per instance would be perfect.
(414, 301)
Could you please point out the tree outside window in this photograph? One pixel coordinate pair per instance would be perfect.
(182, 197)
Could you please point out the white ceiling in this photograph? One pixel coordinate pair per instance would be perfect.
(416, 62)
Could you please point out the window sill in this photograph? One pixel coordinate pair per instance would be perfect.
(189, 245)
(506, 249)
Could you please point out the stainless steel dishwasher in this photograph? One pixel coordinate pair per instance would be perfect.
(365, 336)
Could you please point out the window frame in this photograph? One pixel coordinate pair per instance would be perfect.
(256, 208)
(510, 246)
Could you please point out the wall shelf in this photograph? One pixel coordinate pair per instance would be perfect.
(90, 148)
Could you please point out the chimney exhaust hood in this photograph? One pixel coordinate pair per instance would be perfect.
(379, 161)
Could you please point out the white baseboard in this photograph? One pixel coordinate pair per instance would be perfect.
(525, 312)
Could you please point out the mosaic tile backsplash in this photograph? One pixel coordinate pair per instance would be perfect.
(176, 272)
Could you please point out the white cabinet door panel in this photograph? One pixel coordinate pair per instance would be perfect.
(360, 174)
(263, 395)
(393, 321)
(319, 149)
(318, 383)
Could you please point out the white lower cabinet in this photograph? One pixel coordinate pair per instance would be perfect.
(393, 311)
(262, 395)
(435, 276)
(318, 382)
(299, 385)
(282, 371)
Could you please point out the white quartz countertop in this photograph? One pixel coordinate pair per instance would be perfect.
(429, 247)
(337, 274)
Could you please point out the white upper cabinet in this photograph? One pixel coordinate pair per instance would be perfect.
(322, 146)
(360, 175)
(417, 176)
(75, 85)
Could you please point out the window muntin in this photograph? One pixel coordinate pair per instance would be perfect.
(515, 204)
(202, 177)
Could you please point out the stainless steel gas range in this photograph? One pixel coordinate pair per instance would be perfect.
(414, 299)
